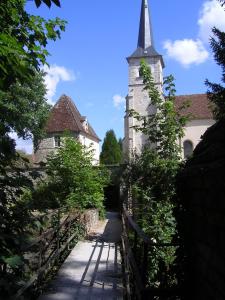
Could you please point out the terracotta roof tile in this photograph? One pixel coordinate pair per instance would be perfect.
(199, 106)
(65, 116)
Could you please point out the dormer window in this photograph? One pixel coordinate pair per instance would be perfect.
(84, 123)
(57, 141)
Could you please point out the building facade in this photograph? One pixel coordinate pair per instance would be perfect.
(138, 99)
(201, 118)
(65, 117)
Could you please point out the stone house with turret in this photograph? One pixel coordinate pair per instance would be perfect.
(138, 99)
(63, 117)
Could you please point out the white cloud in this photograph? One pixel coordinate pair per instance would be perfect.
(193, 51)
(211, 15)
(55, 74)
(118, 100)
(25, 145)
(186, 51)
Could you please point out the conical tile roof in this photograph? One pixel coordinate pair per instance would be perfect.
(65, 116)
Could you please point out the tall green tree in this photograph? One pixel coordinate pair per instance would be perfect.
(72, 179)
(216, 91)
(121, 144)
(23, 41)
(111, 150)
(151, 175)
(25, 107)
(23, 110)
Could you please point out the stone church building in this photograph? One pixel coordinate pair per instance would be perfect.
(66, 117)
(138, 100)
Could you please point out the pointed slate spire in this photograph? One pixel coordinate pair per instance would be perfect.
(145, 46)
(145, 38)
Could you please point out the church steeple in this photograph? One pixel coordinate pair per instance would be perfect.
(145, 46)
(145, 38)
(138, 98)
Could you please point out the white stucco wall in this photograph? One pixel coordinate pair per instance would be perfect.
(194, 130)
(85, 141)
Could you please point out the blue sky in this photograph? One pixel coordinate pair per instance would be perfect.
(89, 62)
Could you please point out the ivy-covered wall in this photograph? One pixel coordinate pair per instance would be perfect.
(201, 190)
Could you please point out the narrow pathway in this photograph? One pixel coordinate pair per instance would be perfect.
(93, 268)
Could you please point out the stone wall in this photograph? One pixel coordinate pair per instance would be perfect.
(201, 190)
(47, 146)
(90, 218)
(139, 101)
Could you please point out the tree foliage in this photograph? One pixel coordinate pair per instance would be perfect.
(23, 110)
(72, 180)
(216, 92)
(165, 127)
(23, 41)
(16, 221)
(47, 2)
(151, 175)
(111, 149)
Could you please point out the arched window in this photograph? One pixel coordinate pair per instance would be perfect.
(188, 148)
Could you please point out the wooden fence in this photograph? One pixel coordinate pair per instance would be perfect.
(45, 250)
(136, 252)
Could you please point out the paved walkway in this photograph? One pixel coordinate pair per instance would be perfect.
(93, 269)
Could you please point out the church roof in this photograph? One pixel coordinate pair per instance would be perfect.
(145, 45)
(65, 116)
(199, 106)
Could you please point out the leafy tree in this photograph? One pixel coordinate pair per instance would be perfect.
(47, 2)
(72, 179)
(23, 41)
(120, 142)
(16, 220)
(151, 175)
(111, 149)
(216, 92)
(23, 109)
(222, 2)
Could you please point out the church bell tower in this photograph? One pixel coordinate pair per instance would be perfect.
(137, 98)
